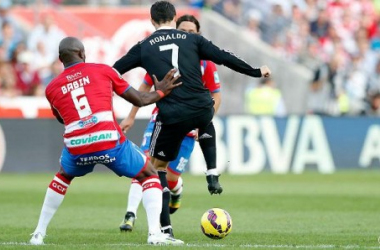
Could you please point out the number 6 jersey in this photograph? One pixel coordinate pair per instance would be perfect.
(82, 96)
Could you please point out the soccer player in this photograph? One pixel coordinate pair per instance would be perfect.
(210, 78)
(187, 107)
(81, 99)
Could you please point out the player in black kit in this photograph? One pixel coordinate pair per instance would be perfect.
(189, 106)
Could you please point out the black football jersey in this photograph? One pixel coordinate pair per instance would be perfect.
(169, 48)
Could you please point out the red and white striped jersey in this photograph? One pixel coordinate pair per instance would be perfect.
(82, 96)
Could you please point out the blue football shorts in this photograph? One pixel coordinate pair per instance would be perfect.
(178, 165)
(126, 159)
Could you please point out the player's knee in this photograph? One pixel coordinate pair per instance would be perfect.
(63, 173)
(148, 171)
(171, 176)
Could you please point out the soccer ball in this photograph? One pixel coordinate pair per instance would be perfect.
(216, 223)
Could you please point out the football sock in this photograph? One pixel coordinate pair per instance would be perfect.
(152, 200)
(165, 215)
(176, 186)
(53, 199)
(212, 172)
(207, 142)
(135, 196)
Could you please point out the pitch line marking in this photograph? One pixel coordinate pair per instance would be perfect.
(219, 245)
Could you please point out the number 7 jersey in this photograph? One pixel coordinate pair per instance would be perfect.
(82, 96)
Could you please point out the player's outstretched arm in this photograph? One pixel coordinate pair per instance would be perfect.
(209, 51)
(163, 88)
(128, 122)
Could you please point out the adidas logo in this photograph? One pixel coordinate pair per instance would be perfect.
(205, 136)
(161, 153)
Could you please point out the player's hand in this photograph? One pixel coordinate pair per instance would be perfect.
(265, 71)
(168, 83)
(126, 124)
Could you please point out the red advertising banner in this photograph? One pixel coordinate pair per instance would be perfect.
(107, 33)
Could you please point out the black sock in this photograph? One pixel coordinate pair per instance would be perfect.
(165, 215)
(207, 142)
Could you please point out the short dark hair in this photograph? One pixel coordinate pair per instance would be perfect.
(188, 18)
(162, 12)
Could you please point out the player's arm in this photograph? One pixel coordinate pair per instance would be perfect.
(57, 115)
(139, 99)
(130, 60)
(212, 83)
(53, 109)
(128, 122)
(208, 51)
(217, 96)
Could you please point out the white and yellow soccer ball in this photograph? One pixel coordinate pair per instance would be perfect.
(216, 223)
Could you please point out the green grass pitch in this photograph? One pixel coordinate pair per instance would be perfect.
(308, 211)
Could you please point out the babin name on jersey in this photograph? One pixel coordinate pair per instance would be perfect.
(75, 84)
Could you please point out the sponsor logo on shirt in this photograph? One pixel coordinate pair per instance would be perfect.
(91, 139)
(216, 77)
(88, 122)
(74, 76)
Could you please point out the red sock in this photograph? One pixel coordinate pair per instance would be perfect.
(59, 184)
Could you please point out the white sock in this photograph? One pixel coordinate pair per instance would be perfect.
(134, 197)
(53, 199)
(152, 200)
(176, 187)
(212, 172)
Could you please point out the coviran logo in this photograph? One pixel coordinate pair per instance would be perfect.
(2, 148)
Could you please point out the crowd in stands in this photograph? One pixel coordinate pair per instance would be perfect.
(28, 61)
(338, 39)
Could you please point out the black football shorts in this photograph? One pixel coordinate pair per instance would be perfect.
(167, 138)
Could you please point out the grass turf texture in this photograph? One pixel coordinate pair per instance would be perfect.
(308, 211)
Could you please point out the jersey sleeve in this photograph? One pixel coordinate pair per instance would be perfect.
(211, 77)
(130, 60)
(148, 80)
(119, 85)
(209, 51)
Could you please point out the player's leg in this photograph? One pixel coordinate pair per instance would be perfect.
(207, 142)
(175, 169)
(134, 198)
(164, 147)
(56, 193)
(132, 162)
(135, 190)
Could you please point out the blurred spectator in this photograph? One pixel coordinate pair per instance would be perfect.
(56, 68)
(320, 26)
(253, 23)
(8, 41)
(265, 99)
(231, 9)
(27, 80)
(372, 107)
(7, 81)
(274, 25)
(356, 85)
(42, 62)
(326, 88)
(6, 17)
(47, 33)
(374, 80)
